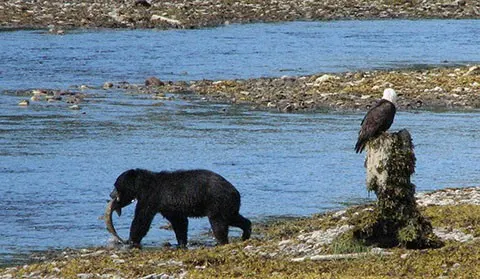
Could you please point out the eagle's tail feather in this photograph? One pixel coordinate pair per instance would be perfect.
(359, 146)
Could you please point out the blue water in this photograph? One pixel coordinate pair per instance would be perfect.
(57, 165)
(36, 59)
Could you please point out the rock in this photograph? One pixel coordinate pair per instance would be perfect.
(38, 92)
(52, 98)
(323, 79)
(24, 103)
(339, 213)
(455, 235)
(85, 275)
(107, 85)
(118, 261)
(74, 107)
(285, 242)
(474, 70)
(271, 105)
(143, 3)
(288, 78)
(73, 100)
(166, 19)
(153, 81)
(115, 16)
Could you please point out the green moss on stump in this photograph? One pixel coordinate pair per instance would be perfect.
(395, 220)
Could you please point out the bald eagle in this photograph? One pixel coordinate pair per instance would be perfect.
(378, 119)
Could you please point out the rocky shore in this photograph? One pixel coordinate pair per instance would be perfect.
(448, 88)
(294, 248)
(456, 88)
(64, 14)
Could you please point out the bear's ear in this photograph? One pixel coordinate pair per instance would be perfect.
(130, 174)
(131, 178)
(126, 180)
(143, 179)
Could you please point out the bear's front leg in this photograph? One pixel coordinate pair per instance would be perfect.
(180, 227)
(141, 224)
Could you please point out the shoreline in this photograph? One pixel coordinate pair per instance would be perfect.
(433, 88)
(311, 242)
(439, 88)
(183, 14)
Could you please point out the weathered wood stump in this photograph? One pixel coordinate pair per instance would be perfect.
(396, 220)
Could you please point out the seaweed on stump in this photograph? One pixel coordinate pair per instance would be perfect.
(396, 220)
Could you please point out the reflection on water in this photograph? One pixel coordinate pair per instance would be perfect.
(58, 166)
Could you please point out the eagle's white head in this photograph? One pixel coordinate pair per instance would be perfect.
(390, 95)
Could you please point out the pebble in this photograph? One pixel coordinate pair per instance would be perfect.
(107, 85)
(118, 261)
(85, 275)
(24, 103)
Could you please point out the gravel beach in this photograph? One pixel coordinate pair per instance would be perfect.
(196, 14)
(452, 88)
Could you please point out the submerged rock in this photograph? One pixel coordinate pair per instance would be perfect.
(153, 81)
(24, 103)
(107, 85)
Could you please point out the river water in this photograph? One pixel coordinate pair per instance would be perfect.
(57, 166)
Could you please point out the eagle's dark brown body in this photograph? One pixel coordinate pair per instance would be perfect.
(377, 120)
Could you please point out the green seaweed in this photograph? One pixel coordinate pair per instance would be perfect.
(396, 219)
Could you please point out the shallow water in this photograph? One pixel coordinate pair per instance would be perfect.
(36, 59)
(58, 165)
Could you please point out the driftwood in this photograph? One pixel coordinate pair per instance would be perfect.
(333, 257)
(396, 219)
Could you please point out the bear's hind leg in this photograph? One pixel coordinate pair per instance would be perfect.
(180, 227)
(220, 230)
(244, 224)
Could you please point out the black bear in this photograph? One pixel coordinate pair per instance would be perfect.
(177, 195)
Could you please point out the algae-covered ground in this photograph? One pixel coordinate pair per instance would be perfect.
(310, 247)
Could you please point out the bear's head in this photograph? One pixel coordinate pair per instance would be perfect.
(125, 191)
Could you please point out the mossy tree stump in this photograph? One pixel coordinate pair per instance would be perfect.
(396, 220)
